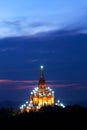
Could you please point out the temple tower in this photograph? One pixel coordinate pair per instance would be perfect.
(41, 95)
(42, 83)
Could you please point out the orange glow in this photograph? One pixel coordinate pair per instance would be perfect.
(41, 96)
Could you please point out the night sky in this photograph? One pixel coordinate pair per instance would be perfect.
(48, 33)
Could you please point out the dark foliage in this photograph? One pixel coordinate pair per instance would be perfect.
(70, 117)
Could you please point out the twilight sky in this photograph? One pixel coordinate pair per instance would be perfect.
(53, 34)
(29, 17)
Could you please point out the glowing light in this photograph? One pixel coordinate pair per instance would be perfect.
(24, 105)
(40, 94)
(62, 105)
(36, 88)
(27, 106)
(44, 94)
(26, 102)
(48, 87)
(58, 101)
(37, 107)
(21, 107)
(41, 66)
(31, 101)
(31, 92)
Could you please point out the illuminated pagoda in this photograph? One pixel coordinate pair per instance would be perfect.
(41, 95)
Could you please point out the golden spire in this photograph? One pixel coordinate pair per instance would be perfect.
(42, 83)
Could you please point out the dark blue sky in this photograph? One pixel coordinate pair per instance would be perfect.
(53, 34)
(64, 56)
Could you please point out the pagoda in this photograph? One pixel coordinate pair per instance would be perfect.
(41, 95)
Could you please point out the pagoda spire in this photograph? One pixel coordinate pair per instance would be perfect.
(42, 83)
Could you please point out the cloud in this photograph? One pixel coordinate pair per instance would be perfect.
(17, 81)
(26, 27)
(6, 84)
(16, 23)
(25, 87)
(39, 19)
(6, 81)
(16, 84)
(21, 27)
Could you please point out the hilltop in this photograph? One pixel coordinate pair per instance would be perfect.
(48, 117)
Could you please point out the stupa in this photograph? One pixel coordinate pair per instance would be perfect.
(41, 95)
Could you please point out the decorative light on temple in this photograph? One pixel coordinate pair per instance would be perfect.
(58, 103)
(24, 105)
(40, 96)
(41, 67)
(52, 91)
(26, 102)
(31, 92)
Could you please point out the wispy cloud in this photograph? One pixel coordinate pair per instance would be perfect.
(30, 20)
(2, 81)
(21, 27)
(24, 27)
(30, 84)
(25, 87)
(17, 81)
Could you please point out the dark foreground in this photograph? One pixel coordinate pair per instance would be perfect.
(55, 118)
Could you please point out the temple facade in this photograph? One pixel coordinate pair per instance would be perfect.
(41, 95)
